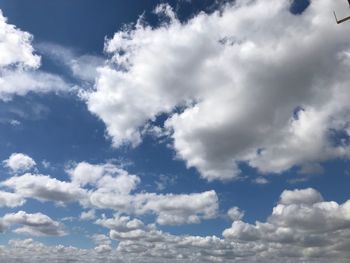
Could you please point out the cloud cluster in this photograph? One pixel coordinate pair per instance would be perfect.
(103, 243)
(302, 228)
(301, 225)
(114, 188)
(170, 209)
(28, 250)
(243, 86)
(19, 65)
(122, 224)
(107, 186)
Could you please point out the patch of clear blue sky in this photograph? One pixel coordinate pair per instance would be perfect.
(59, 129)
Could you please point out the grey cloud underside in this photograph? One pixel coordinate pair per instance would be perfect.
(11, 199)
(32, 224)
(302, 228)
(268, 93)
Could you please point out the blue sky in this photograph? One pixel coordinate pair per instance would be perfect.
(174, 131)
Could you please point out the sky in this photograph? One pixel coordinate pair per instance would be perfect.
(174, 131)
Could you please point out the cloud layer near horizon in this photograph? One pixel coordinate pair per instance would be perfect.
(302, 228)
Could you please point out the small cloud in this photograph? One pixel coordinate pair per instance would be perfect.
(68, 219)
(46, 164)
(260, 180)
(88, 215)
(15, 123)
(235, 213)
(164, 181)
(19, 162)
(299, 180)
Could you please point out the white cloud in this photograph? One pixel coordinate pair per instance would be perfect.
(15, 123)
(170, 209)
(45, 188)
(19, 162)
(120, 183)
(183, 209)
(121, 223)
(19, 65)
(300, 231)
(261, 180)
(235, 213)
(252, 90)
(304, 196)
(29, 250)
(242, 231)
(22, 82)
(85, 173)
(88, 215)
(103, 243)
(11, 199)
(301, 225)
(106, 186)
(16, 46)
(105, 177)
(114, 188)
(33, 224)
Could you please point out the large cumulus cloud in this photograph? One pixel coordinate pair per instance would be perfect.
(255, 84)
